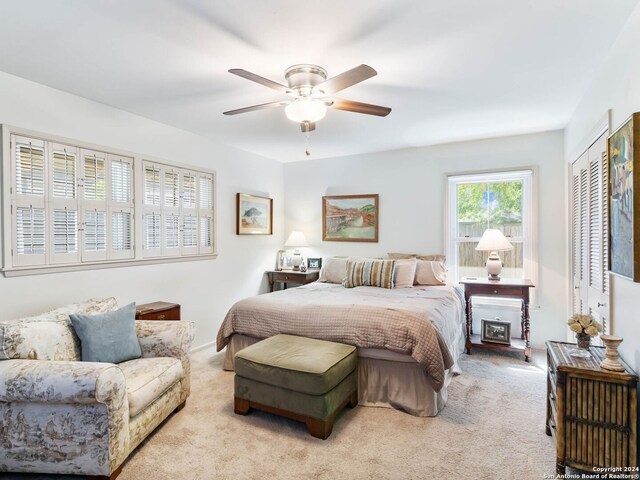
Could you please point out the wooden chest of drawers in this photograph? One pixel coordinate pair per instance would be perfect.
(158, 311)
(591, 412)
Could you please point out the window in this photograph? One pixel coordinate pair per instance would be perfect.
(492, 200)
(70, 206)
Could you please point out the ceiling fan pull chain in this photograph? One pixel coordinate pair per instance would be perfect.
(306, 141)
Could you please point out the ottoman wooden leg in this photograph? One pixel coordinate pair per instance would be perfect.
(240, 406)
(353, 400)
(320, 428)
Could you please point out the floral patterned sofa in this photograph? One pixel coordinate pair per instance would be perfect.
(61, 415)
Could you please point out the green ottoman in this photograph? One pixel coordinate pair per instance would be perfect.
(300, 378)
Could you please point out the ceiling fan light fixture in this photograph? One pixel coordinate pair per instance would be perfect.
(306, 110)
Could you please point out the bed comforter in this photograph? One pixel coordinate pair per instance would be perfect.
(422, 321)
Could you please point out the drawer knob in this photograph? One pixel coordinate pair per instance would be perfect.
(161, 316)
(495, 290)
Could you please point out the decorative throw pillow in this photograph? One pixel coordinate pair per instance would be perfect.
(433, 257)
(108, 337)
(405, 273)
(334, 270)
(373, 273)
(430, 273)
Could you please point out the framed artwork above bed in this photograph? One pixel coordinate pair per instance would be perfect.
(254, 215)
(350, 218)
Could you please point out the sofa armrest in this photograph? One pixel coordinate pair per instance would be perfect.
(44, 381)
(168, 338)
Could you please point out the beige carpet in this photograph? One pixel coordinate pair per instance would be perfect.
(492, 427)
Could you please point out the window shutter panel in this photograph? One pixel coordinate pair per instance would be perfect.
(152, 234)
(121, 231)
(189, 234)
(121, 178)
(188, 191)
(206, 193)
(172, 231)
(151, 186)
(94, 177)
(65, 235)
(95, 231)
(206, 233)
(29, 167)
(31, 232)
(64, 174)
(171, 189)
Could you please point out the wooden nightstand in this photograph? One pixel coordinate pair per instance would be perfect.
(158, 311)
(591, 412)
(499, 288)
(289, 276)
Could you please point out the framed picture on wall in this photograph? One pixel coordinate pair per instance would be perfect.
(624, 199)
(350, 218)
(254, 215)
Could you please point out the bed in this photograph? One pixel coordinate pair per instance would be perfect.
(408, 339)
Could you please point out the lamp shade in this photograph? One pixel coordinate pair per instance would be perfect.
(296, 239)
(306, 110)
(493, 241)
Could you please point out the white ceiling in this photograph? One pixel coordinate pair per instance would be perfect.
(450, 69)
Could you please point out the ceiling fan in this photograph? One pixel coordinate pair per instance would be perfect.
(312, 93)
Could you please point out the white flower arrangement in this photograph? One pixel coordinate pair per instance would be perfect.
(584, 324)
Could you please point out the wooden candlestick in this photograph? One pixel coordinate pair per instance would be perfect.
(612, 357)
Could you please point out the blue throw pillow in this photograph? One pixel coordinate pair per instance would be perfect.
(108, 337)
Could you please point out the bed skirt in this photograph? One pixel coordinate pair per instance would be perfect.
(385, 379)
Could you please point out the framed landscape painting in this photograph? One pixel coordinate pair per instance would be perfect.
(624, 199)
(254, 215)
(350, 218)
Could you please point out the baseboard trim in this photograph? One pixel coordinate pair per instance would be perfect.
(203, 347)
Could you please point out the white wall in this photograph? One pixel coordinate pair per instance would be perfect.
(615, 87)
(412, 188)
(205, 288)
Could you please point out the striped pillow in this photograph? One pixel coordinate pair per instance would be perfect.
(373, 273)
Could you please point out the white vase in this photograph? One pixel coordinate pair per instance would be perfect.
(612, 357)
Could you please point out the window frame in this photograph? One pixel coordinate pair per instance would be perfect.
(14, 265)
(528, 239)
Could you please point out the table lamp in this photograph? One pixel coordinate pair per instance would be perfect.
(493, 241)
(295, 240)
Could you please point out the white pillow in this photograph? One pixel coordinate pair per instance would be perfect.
(334, 270)
(430, 273)
(405, 273)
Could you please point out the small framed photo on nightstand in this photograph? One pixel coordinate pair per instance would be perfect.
(314, 263)
(496, 331)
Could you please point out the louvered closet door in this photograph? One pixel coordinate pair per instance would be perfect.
(598, 235)
(64, 205)
(589, 218)
(580, 224)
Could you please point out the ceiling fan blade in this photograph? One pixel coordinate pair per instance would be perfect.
(261, 80)
(307, 127)
(358, 107)
(262, 106)
(345, 79)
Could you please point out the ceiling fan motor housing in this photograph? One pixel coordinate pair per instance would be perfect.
(303, 77)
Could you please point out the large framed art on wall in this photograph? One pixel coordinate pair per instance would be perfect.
(624, 199)
(350, 218)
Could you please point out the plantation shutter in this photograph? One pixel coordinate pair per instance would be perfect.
(152, 217)
(205, 214)
(95, 186)
(171, 211)
(63, 204)
(120, 208)
(28, 201)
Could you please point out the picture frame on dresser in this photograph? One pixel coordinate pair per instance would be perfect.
(254, 215)
(314, 263)
(624, 199)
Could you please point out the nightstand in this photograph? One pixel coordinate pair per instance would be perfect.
(158, 311)
(290, 276)
(499, 288)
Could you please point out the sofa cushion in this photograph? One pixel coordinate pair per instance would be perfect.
(147, 379)
(297, 363)
(48, 336)
(108, 337)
